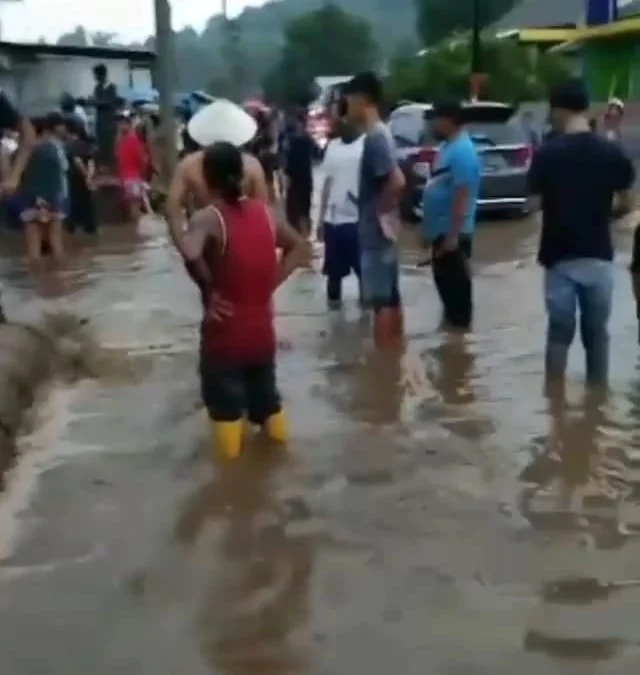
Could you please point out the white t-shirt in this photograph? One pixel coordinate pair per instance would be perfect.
(342, 166)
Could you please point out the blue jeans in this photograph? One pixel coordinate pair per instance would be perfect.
(586, 284)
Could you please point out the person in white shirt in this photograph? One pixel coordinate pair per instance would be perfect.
(338, 216)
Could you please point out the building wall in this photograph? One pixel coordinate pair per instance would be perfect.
(37, 85)
(611, 69)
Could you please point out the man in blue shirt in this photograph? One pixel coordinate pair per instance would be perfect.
(449, 213)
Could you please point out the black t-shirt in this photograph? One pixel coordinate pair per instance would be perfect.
(301, 153)
(577, 175)
(9, 115)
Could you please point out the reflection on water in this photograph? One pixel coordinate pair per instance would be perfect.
(252, 616)
(575, 490)
(417, 461)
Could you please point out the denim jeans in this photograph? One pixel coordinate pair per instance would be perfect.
(380, 270)
(586, 284)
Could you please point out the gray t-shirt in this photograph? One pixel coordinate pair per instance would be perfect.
(378, 161)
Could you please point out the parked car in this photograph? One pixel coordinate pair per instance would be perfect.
(500, 140)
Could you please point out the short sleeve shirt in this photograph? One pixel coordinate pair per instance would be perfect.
(456, 166)
(342, 166)
(378, 161)
(576, 176)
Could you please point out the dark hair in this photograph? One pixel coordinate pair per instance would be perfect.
(73, 125)
(53, 120)
(38, 123)
(100, 70)
(67, 103)
(571, 95)
(342, 107)
(368, 85)
(451, 110)
(223, 171)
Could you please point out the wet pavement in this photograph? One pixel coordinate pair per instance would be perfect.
(436, 511)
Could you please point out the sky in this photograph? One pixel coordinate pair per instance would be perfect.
(30, 19)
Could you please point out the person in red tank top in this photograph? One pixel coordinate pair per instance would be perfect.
(230, 251)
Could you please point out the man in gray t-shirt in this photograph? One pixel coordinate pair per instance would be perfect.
(378, 162)
(380, 185)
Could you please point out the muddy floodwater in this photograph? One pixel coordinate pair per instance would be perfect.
(436, 512)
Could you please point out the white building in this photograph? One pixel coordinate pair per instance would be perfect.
(35, 75)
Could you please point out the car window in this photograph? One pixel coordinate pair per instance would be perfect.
(487, 133)
(407, 129)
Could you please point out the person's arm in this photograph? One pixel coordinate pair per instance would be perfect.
(256, 182)
(296, 250)
(623, 176)
(535, 180)
(326, 185)
(176, 198)
(324, 199)
(91, 169)
(464, 172)
(10, 118)
(204, 227)
(386, 169)
(80, 166)
(5, 162)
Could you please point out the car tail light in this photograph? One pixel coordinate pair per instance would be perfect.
(423, 162)
(522, 156)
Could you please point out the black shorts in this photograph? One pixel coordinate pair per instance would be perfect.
(231, 392)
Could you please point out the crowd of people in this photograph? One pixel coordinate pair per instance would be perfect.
(223, 213)
(52, 164)
(574, 177)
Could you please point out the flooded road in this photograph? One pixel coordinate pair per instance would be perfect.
(437, 511)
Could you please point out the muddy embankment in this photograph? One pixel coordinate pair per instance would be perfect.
(34, 354)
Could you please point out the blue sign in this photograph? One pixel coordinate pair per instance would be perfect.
(600, 12)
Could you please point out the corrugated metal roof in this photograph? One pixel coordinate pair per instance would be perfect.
(542, 14)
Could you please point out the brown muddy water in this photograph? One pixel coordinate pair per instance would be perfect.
(436, 511)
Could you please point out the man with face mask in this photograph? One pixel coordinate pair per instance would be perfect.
(449, 218)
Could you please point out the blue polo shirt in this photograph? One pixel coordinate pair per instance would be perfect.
(457, 165)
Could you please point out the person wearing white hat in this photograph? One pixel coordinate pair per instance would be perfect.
(613, 119)
(220, 121)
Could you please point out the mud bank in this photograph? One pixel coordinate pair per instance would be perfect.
(31, 354)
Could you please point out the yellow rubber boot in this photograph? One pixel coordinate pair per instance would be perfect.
(227, 437)
(277, 428)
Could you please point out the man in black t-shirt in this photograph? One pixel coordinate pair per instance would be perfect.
(576, 176)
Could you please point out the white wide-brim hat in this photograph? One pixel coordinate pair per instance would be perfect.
(223, 121)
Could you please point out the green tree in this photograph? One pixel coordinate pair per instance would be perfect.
(439, 19)
(100, 39)
(515, 73)
(77, 38)
(327, 41)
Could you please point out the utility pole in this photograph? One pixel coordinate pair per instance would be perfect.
(165, 80)
(477, 75)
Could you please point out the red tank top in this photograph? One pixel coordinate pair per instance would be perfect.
(244, 270)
